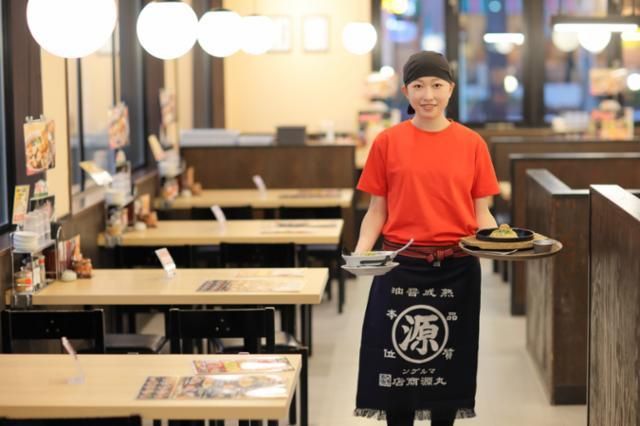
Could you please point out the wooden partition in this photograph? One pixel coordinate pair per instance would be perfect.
(558, 286)
(324, 166)
(577, 170)
(614, 307)
(502, 147)
(321, 166)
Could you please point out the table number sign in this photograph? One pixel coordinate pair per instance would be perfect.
(167, 261)
(220, 217)
(259, 182)
(78, 379)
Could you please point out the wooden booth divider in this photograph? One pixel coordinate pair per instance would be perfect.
(614, 307)
(577, 170)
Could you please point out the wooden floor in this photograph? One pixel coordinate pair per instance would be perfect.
(509, 390)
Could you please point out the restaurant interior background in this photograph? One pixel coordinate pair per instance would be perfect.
(328, 68)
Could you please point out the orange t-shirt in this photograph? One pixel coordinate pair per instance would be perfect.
(430, 180)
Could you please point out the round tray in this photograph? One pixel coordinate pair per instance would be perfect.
(523, 235)
(510, 255)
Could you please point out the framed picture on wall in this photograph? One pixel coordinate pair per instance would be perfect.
(281, 34)
(315, 33)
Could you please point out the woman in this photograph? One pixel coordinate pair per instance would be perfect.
(430, 179)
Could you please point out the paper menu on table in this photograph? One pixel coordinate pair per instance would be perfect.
(272, 364)
(231, 386)
(251, 286)
(98, 174)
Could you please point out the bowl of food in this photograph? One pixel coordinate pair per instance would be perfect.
(505, 234)
(543, 246)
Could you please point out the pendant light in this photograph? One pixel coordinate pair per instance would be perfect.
(256, 34)
(167, 29)
(504, 42)
(219, 32)
(359, 37)
(71, 28)
(594, 32)
(565, 42)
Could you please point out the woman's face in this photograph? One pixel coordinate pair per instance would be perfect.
(429, 96)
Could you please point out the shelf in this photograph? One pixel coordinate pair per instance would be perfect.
(41, 247)
(127, 201)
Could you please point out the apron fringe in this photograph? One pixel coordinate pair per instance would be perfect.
(462, 413)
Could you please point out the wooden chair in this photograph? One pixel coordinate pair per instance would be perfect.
(85, 325)
(250, 325)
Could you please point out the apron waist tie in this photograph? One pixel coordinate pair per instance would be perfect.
(432, 254)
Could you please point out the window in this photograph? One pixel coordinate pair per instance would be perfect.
(631, 61)
(405, 32)
(92, 92)
(566, 86)
(489, 76)
(4, 190)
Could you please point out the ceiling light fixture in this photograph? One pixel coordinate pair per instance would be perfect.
(219, 32)
(167, 29)
(71, 28)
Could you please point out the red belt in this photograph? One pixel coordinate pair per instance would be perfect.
(432, 254)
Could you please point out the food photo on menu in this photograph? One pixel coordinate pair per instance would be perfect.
(39, 141)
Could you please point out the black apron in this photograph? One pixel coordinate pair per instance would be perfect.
(419, 348)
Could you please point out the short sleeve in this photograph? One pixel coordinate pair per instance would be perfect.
(485, 182)
(374, 175)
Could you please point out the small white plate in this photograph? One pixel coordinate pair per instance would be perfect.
(370, 270)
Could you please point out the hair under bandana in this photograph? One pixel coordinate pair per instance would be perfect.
(426, 64)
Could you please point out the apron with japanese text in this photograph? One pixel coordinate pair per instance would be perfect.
(419, 348)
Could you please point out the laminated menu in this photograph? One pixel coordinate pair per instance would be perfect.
(250, 286)
(158, 387)
(230, 386)
(266, 273)
(261, 365)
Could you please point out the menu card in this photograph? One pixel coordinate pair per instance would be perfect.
(255, 365)
(229, 386)
(250, 286)
(98, 174)
(20, 203)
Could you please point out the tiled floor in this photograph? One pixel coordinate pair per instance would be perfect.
(509, 390)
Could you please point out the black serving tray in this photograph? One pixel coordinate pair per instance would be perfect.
(523, 235)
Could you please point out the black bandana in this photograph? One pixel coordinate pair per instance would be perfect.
(426, 64)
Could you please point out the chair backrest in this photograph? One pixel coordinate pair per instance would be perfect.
(45, 325)
(334, 212)
(231, 213)
(250, 324)
(98, 421)
(258, 255)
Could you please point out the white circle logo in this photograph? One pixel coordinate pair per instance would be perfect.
(420, 333)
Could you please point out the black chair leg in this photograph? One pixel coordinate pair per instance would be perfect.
(293, 410)
(341, 292)
(304, 389)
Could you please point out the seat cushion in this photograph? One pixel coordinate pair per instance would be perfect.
(134, 343)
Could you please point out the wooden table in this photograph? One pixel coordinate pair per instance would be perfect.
(35, 386)
(151, 287)
(134, 287)
(199, 232)
(274, 198)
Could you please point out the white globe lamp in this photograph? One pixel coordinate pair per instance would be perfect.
(256, 34)
(359, 37)
(219, 32)
(565, 42)
(510, 84)
(167, 30)
(594, 41)
(633, 82)
(71, 28)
